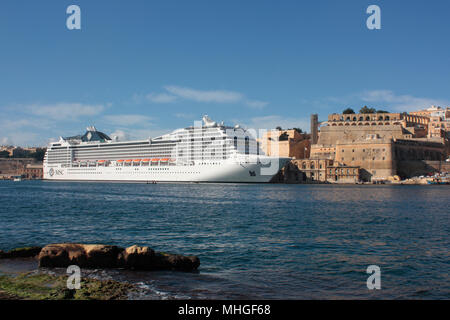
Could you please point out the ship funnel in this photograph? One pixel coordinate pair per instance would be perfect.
(208, 122)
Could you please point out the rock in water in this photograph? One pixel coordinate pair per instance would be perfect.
(169, 261)
(102, 256)
(137, 257)
(82, 255)
(26, 252)
(145, 258)
(106, 256)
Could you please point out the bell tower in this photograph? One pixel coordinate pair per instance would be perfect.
(314, 128)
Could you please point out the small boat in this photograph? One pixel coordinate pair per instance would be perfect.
(17, 179)
(437, 181)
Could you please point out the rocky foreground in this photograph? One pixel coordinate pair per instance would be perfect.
(104, 256)
(40, 285)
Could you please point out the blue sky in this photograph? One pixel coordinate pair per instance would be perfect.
(142, 68)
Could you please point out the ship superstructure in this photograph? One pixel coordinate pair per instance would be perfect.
(205, 152)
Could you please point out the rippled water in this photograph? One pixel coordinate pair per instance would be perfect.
(254, 241)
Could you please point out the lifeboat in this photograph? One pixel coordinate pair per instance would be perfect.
(172, 160)
(101, 161)
(120, 161)
(155, 160)
(145, 160)
(128, 160)
(137, 160)
(165, 159)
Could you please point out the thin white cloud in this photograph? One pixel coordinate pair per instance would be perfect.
(128, 119)
(380, 99)
(125, 134)
(120, 135)
(10, 124)
(256, 104)
(219, 96)
(65, 111)
(272, 121)
(177, 93)
(22, 138)
(184, 115)
(400, 102)
(32, 124)
(160, 97)
(5, 141)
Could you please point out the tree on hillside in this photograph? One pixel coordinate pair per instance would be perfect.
(365, 109)
(283, 137)
(278, 128)
(382, 111)
(348, 111)
(4, 154)
(39, 154)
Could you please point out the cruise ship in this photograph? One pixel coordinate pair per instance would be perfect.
(206, 152)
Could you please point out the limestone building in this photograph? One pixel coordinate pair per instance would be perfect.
(317, 171)
(382, 145)
(32, 171)
(286, 143)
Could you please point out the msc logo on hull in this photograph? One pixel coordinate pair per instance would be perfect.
(53, 172)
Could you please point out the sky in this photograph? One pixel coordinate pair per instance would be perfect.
(141, 68)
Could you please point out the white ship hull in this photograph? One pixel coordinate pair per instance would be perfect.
(220, 172)
(209, 152)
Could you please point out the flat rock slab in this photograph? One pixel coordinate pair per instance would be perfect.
(108, 256)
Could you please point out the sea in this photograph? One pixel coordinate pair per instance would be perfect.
(254, 241)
